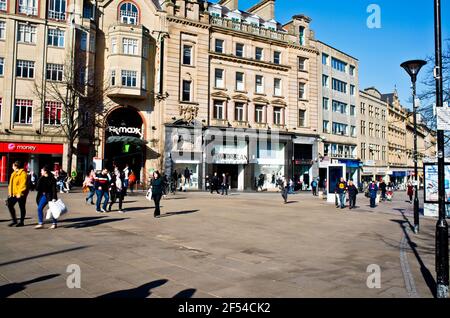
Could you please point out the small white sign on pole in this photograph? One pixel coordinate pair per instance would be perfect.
(443, 118)
(97, 163)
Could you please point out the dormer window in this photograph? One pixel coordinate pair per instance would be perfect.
(271, 25)
(129, 13)
(302, 35)
(215, 11)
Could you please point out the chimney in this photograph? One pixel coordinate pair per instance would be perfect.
(230, 4)
(265, 9)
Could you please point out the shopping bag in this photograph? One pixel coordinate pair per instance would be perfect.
(56, 209)
(148, 196)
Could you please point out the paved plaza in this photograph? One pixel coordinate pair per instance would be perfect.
(208, 245)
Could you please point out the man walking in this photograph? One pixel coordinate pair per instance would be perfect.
(314, 187)
(102, 190)
(215, 183)
(187, 178)
(126, 175)
(17, 193)
(284, 189)
(224, 184)
(383, 190)
(341, 187)
(373, 190)
(352, 192)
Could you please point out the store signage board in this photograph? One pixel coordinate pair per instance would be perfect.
(443, 118)
(31, 148)
(431, 191)
(97, 163)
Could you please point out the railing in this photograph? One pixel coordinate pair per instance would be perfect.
(248, 28)
(27, 10)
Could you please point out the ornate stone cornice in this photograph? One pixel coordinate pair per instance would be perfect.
(188, 22)
(220, 95)
(242, 60)
(261, 100)
(241, 97)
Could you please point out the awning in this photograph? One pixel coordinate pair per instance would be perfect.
(126, 140)
(399, 173)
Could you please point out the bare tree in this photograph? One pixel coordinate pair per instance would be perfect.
(82, 101)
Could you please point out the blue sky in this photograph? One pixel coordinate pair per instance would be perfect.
(407, 32)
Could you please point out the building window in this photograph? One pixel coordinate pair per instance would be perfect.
(239, 50)
(277, 116)
(113, 78)
(2, 66)
(339, 86)
(325, 103)
(83, 41)
(113, 45)
(277, 87)
(259, 114)
(3, 5)
(130, 46)
(219, 109)
(219, 46)
(301, 64)
(2, 30)
(377, 131)
(338, 64)
(363, 109)
(340, 129)
(301, 118)
(57, 9)
(277, 57)
(370, 110)
(324, 80)
(259, 84)
(23, 111)
(301, 32)
(52, 115)
(352, 70)
(187, 55)
(352, 90)
(383, 114)
(353, 131)
(383, 153)
(25, 69)
(240, 81)
(383, 132)
(325, 126)
(352, 110)
(371, 129)
(186, 96)
(301, 91)
(339, 107)
(129, 78)
(28, 7)
(55, 37)
(54, 72)
(363, 151)
(219, 78)
(26, 33)
(239, 111)
(129, 13)
(324, 59)
(259, 54)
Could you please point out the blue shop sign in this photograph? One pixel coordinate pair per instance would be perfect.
(399, 173)
(351, 163)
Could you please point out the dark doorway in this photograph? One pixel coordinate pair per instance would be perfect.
(322, 177)
(232, 170)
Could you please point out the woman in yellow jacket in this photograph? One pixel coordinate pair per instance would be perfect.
(17, 193)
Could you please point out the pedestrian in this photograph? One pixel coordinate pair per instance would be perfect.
(352, 192)
(89, 183)
(284, 187)
(215, 183)
(340, 190)
(224, 184)
(157, 192)
(187, 178)
(373, 191)
(291, 186)
(261, 181)
(126, 175)
(46, 192)
(102, 181)
(131, 180)
(17, 193)
(117, 189)
(314, 187)
(410, 192)
(61, 181)
(33, 181)
(383, 190)
(174, 181)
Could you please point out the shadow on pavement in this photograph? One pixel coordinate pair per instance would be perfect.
(43, 255)
(175, 198)
(142, 291)
(429, 279)
(289, 202)
(82, 219)
(13, 288)
(133, 209)
(187, 293)
(84, 224)
(177, 213)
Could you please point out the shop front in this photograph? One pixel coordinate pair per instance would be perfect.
(269, 164)
(353, 168)
(32, 155)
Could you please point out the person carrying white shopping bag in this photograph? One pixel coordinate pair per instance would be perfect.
(46, 194)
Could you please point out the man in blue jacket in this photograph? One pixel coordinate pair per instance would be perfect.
(373, 190)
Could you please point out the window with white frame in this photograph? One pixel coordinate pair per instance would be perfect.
(277, 57)
(277, 87)
(52, 114)
(113, 45)
(240, 81)
(352, 70)
(301, 118)
(54, 72)
(129, 13)
(325, 105)
(353, 131)
(259, 84)
(239, 111)
(26, 33)
(326, 126)
(219, 46)
(113, 78)
(324, 80)
(83, 41)
(352, 110)
(129, 78)
(55, 37)
(29, 7)
(130, 46)
(277, 116)
(259, 114)
(23, 111)
(2, 66)
(301, 38)
(301, 91)
(186, 94)
(219, 81)
(187, 54)
(57, 9)
(259, 54)
(2, 30)
(340, 129)
(25, 69)
(239, 50)
(219, 109)
(352, 90)
(3, 5)
(302, 64)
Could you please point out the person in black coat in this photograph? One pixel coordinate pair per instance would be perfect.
(46, 192)
(215, 183)
(157, 192)
(352, 192)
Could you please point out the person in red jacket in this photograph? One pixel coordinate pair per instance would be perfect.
(410, 192)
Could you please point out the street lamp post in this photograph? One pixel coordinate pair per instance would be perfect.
(442, 267)
(412, 68)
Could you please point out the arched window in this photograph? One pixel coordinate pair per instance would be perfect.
(129, 13)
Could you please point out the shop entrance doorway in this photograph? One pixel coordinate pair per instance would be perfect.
(232, 170)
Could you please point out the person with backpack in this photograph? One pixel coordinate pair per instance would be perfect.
(46, 192)
(17, 193)
(314, 187)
